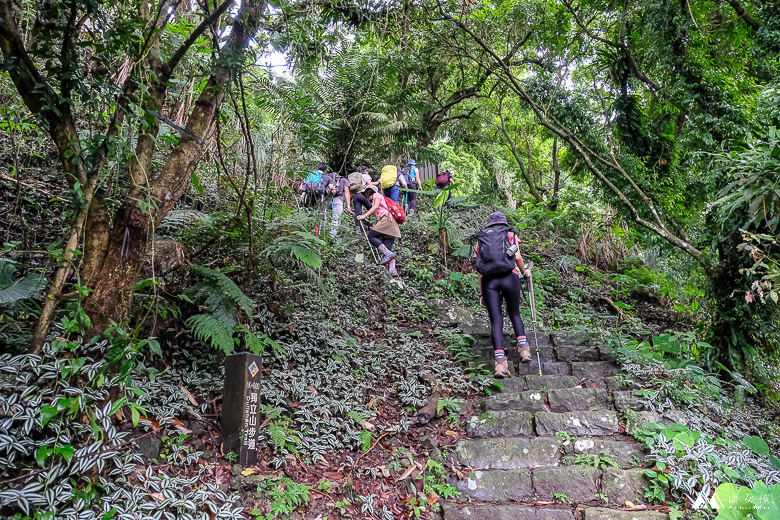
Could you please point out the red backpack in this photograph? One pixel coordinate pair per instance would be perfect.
(396, 210)
(443, 179)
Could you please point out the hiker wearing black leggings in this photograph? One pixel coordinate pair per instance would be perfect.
(504, 287)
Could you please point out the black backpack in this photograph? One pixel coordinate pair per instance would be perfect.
(492, 257)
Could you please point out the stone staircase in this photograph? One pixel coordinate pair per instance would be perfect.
(551, 447)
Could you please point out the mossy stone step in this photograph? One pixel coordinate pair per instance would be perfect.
(575, 338)
(576, 399)
(546, 354)
(578, 483)
(548, 368)
(625, 454)
(489, 366)
(500, 424)
(497, 486)
(623, 484)
(504, 453)
(512, 385)
(570, 353)
(548, 382)
(528, 401)
(618, 383)
(599, 422)
(602, 513)
(594, 372)
(503, 512)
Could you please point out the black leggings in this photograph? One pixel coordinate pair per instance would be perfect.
(377, 239)
(361, 204)
(508, 287)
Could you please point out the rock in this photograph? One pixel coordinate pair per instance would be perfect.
(512, 385)
(636, 421)
(149, 446)
(602, 513)
(574, 399)
(405, 463)
(535, 338)
(207, 455)
(574, 338)
(360, 258)
(499, 486)
(619, 382)
(478, 328)
(449, 315)
(499, 424)
(506, 453)
(236, 469)
(626, 400)
(164, 256)
(548, 382)
(397, 283)
(600, 422)
(486, 352)
(429, 442)
(529, 401)
(567, 353)
(503, 512)
(623, 453)
(198, 444)
(620, 485)
(578, 483)
(198, 428)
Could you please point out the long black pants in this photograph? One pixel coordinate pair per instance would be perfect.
(361, 203)
(496, 288)
(377, 239)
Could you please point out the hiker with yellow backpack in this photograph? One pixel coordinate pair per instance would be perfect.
(389, 180)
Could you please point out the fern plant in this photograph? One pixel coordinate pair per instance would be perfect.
(298, 245)
(223, 300)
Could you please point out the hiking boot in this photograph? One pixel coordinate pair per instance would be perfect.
(502, 367)
(394, 273)
(411, 212)
(386, 259)
(525, 353)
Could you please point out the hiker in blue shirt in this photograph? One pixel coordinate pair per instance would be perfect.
(411, 174)
(312, 191)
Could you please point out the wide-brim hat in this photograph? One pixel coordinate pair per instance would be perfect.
(497, 219)
(411, 161)
(372, 187)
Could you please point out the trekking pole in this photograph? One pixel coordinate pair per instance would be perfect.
(370, 247)
(532, 304)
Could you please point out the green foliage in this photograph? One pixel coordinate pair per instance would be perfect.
(284, 496)
(12, 291)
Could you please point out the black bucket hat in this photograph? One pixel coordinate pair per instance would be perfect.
(497, 219)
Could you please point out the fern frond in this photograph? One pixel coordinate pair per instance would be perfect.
(207, 328)
(227, 286)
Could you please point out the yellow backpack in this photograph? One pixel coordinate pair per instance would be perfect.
(389, 176)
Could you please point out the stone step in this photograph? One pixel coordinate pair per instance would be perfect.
(497, 486)
(574, 338)
(548, 368)
(599, 422)
(627, 400)
(546, 354)
(489, 366)
(548, 382)
(594, 372)
(500, 424)
(620, 485)
(528, 401)
(578, 483)
(625, 454)
(503, 512)
(483, 338)
(503, 453)
(570, 353)
(602, 513)
(576, 399)
(512, 385)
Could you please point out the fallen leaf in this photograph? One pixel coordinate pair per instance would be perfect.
(630, 504)
(451, 433)
(313, 390)
(292, 327)
(367, 425)
(189, 396)
(249, 471)
(182, 429)
(432, 499)
(157, 496)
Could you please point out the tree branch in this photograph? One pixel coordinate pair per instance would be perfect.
(743, 14)
(197, 33)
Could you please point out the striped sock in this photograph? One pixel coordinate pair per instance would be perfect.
(521, 340)
(499, 354)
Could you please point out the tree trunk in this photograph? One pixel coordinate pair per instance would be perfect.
(557, 176)
(143, 208)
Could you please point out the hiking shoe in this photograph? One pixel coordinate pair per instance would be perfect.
(502, 367)
(394, 273)
(386, 259)
(525, 353)
(411, 212)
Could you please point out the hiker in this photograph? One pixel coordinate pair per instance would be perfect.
(356, 198)
(311, 190)
(410, 173)
(499, 264)
(389, 180)
(385, 231)
(443, 180)
(338, 189)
